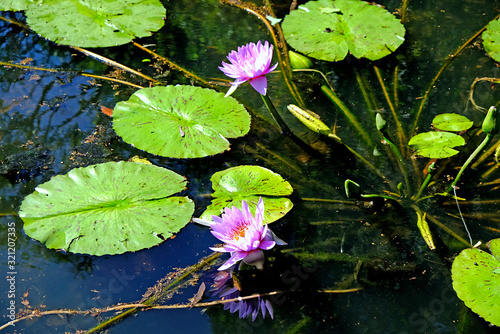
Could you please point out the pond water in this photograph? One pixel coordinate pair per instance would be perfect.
(51, 122)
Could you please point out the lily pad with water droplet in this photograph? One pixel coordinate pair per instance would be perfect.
(436, 145)
(95, 23)
(476, 280)
(180, 121)
(328, 30)
(248, 183)
(109, 208)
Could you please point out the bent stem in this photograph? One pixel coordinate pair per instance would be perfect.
(469, 160)
(270, 106)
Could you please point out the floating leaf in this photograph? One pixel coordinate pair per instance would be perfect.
(180, 121)
(436, 145)
(476, 280)
(248, 183)
(452, 122)
(491, 39)
(16, 5)
(95, 23)
(328, 29)
(109, 208)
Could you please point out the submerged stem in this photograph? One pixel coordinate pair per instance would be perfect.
(153, 299)
(176, 67)
(401, 135)
(348, 114)
(400, 160)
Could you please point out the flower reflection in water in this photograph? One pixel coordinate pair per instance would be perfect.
(225, 287)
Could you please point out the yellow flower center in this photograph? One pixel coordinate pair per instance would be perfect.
(239, 231)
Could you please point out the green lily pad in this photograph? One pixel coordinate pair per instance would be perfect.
(95, 23)
(476, 280)
(248, 183)
(180, 121)
(109, 208)
(16, 5)
(328, 30)
(436, 145)
(452, 122)
(491, 39)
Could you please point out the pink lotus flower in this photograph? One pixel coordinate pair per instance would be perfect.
(251, 62)
(245, 236)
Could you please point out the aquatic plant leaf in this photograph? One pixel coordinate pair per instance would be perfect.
(328, 30)
(491, 39)
(436, 145)
(180, 121)
(233, 185)
(108, 208)
(452, 122)
(476, 280)
(95, 23)
(16, 5)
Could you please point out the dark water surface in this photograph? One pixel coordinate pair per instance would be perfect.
(406, 288)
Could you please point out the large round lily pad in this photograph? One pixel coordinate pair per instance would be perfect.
(180, 121)
(109, 208)
(328, 30)
(491, 39)
(248, 183)
(476, 279)
(95, 23)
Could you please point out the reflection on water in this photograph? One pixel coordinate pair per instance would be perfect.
(373, 245)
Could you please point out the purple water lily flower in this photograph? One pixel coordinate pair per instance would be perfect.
(245, 236)
(223, 287)
(251, 62)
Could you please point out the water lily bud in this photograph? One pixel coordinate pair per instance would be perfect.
(298, 61)
(309, 119)
(489, 123)
(380, 122)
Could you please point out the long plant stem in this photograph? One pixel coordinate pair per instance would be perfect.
(348, 114)
(84, 74)
(486, 154)
(401, 135)
(270, 106)
(441, 70)
(469, 160)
